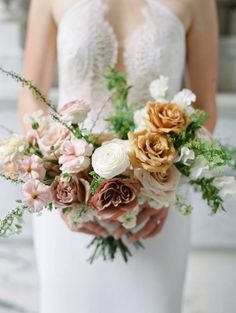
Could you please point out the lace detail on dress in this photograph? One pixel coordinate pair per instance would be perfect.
(87, 45)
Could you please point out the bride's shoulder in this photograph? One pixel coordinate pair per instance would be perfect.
(200, 5)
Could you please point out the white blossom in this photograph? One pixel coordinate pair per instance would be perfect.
(184, 99)
(129, 219)
(12, 148)
(186, 156)
(199, 169)
(159, 89)
(139, 118)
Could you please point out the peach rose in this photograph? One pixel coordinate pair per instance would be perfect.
(115, 197)
(10, 170)
(151, 151)
(166, 118)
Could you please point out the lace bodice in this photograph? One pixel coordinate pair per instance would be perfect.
(87, 45)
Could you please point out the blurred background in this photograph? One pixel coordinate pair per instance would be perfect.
(211, 278)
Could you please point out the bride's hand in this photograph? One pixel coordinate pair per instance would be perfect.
(90, 228)
(155, 220)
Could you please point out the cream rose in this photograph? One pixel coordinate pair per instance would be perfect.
(111, 159)
(159, 187)
(74, 112)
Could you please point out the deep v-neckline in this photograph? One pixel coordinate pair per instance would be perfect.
(125, 45)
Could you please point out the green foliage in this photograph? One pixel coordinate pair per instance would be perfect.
(121, 120)
(198, 118)
(214, 154)
(182, 207)
(210, 193)
(184, 169)
(12, 223)
(96, 181)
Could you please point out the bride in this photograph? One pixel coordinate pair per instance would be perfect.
(144, 38)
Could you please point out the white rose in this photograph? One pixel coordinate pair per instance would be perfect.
(12, 148)
(129, 219)
(199, 169)
(186, 156)
(111, 159)
(74, 112)
(185, 98)
(139, 118)
(159, 89)
(227, 185)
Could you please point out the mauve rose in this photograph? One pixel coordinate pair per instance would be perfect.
(66, 193)
(115, 197)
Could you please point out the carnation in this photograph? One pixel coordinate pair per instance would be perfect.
(75, 156)
(12, 148)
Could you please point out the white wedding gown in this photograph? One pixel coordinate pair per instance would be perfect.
(152, 281)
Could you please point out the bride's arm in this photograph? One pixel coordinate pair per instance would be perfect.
(202, 56)
(39, 56)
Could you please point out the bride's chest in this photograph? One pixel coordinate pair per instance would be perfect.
(89, 42)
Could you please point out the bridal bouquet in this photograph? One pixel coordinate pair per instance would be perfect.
(147, 157)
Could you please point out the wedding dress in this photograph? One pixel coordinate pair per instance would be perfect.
(152, 281)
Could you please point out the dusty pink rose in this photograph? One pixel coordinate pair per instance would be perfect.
(115, 197)
(32, 167)
(36, 195)
(67, 192)
(75, 156)
(50, 144)
(74, 112)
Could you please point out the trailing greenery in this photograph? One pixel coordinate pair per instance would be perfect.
(182, 207)
(13, 222)
(209, 192)
(214, 154)
(121, 120)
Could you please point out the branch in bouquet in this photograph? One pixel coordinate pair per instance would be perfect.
(12, 223)
(11, 179)
(8, 130)
(121, 120)
(182, 207)
(210, 193)
(96, 181)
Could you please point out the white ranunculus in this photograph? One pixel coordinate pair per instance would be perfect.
(227, 185)
(185, 98)
(159, 89)
(129, 219)
(139, 118)
(199, 169)
(186, 156)
(111, 159)
(12, 148)
(74, 112)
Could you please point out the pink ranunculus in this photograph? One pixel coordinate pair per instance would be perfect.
(66, 193)
(50, 144)
(74, 112)
(75, 156)
(36, 195)
(32, 167)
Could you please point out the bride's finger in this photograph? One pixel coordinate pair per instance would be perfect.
(148, 228)
(96, 228)
(84, 230)
(120, 232)
(159, 225)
